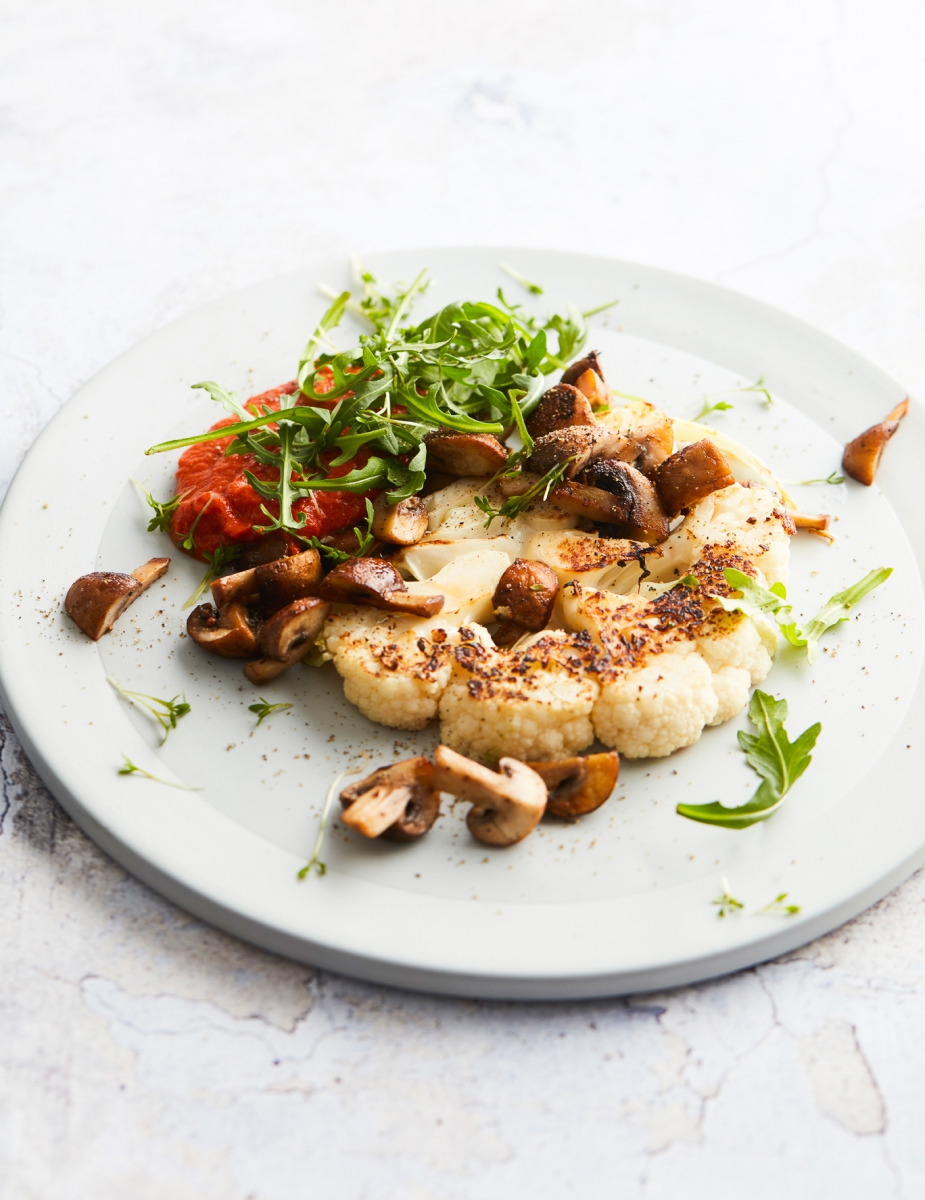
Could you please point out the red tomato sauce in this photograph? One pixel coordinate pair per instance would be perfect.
(216, 492)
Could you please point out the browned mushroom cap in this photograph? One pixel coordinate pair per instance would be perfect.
(293, 629)
(580, 443)
(375, 582)
(506, 804)
(525, 594)
(459, 454)
(228, 633)
(400, 524)
(264, 550)
(95, 602)
(398, 802)
(578, 785)
(641, 516)
(590, 362)
(560, 408)
(691, 474)
(281, 582)
(862, 455)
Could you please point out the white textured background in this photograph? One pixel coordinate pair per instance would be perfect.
(154, 156)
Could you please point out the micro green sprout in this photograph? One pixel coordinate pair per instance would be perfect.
(264, 709)
(726, 902)
(315, 857)
(130, 768)
(777, 908)
(166, 712)
(222, 556)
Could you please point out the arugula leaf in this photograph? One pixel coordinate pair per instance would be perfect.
(719, 406)
(752, 598)
(533, 288)
(228, 400)
(515, 505)
(836, 609)
(769, 753)
(163, 510)
(330, 318)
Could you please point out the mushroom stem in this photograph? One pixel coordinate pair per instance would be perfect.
(818, 523)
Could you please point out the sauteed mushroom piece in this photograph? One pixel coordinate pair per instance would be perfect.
(862, 455)
(582, 444)
(281, 582)
(236, 588)
(400, 524)
(264, 550)
(95, 602)
(293, 629)
(398, 802)
(691, 474)
(815, 523)
(653, 441)
(525, 595)
(228, 633)
(560, 408)
(592, 503)
(375, 582)
(507, 804)
(507, 633)
(590, 362)
(642, 518)
(578, 785)
(460, 454)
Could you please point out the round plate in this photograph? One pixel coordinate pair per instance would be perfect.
(620, 901)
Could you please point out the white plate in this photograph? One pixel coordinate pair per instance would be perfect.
(620, 901)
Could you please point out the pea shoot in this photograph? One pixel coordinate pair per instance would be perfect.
(263, 709)
(166, 712)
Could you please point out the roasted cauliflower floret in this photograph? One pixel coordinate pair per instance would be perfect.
(749, 521)
(531, 703)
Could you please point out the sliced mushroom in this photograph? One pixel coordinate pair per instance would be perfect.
(95, 602)
(238, 588)
(264, 550)
(265, 670)
(400, 524)
(582, 500)
(399, 802)
(578, 785)
(560, 408)
(654, 442)
(460, 454)
(525, 594)
(281, 582)
(375, 582)
(692, 474)
(289, 633)
(507, 804)
(642, 517)
(229, 633)
(815, 523)
(582, 444)
(862, 455)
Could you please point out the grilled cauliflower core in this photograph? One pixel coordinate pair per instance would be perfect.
(636, 662)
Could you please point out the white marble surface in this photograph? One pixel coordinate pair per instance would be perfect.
(153, 156)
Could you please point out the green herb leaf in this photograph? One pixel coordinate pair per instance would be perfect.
(264, 708)
(726, 902)
(315, 857)
(515, 505)
(533, 288)
(228, 400)
(777, 908)
(163, 511)
(834, 477)
(837, 607)
(718, 406)
(752, 598)
(130, 768)
(218, 561)
(165, 712)
(771, 754)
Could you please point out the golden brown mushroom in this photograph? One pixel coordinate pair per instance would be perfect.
(588, 376)
(577, 445)
(237, 588)
(525, 595)
(578, 785)
(95, 602)
(375, 582)
(862, 455)
(507, 804)
(814, 522)
(400, 524)
(560, 408)
(230, 633)
(398, 802)
(641, 516)
(289, 633)
(460, 454)
(266, 549)
(692, 474)
(281, 582)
